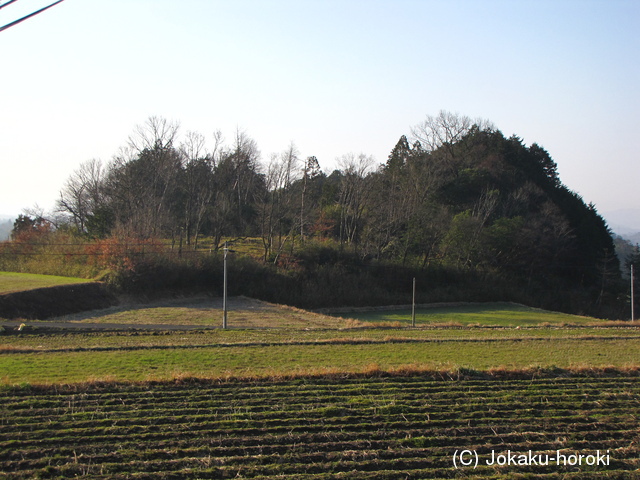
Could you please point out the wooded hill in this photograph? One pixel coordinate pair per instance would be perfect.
(475, 215)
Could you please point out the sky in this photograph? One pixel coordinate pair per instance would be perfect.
(332, 76)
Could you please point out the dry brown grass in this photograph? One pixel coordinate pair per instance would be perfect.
(375, 370)
(616, 323)
(242, 312)
(185, 377)
(352, 323)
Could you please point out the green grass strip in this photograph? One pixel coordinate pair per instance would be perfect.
(499, 314)
(124, 339)
(14, 282)
(239, 361)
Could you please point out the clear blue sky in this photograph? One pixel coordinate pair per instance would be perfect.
(332, 76)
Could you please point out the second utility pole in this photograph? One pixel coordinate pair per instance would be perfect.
(224, 288)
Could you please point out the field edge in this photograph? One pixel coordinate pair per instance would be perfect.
(332, 374)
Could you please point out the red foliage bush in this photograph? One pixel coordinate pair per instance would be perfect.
(121, 253)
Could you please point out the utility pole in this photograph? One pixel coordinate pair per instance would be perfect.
(413, 304)
(632, 301)
(224, 288)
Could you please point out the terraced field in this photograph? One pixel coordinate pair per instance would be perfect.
(317, 397)
(495, 314)
(14, 282)
(216, 354)
(350, 426)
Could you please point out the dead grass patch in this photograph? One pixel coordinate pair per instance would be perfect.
(242, 312)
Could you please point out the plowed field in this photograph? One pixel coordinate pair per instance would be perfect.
(351, 426)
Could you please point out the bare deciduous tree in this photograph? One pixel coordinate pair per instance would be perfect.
(445, 129)
(445, 132)
(197, 184)
(353, 194)
(277, 212)
(82, 193)
(144, 178)
(155, 133)
(310, 171)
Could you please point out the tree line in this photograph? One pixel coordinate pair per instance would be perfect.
(455, 192)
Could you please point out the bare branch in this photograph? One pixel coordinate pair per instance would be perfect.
(156, 132)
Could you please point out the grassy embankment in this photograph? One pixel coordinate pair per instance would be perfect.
(15, 282)
(473, 314)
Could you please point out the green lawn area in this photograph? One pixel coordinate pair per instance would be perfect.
(498, 314)
(270, 340)
(15, 282)
(290, 359)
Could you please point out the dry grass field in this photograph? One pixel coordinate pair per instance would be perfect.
(243, 312)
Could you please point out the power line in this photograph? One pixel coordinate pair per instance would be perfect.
(8, 3)
(20, 20)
